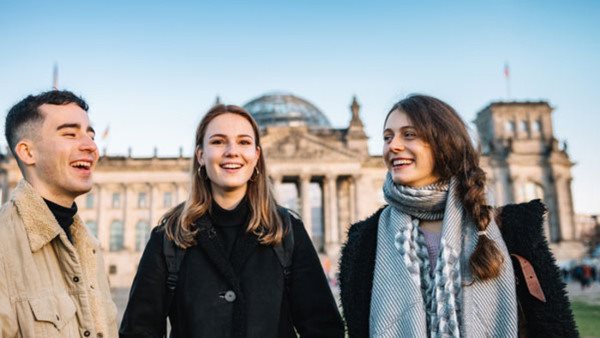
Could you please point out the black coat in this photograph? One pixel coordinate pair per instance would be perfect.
(242, 296)
(521, 227)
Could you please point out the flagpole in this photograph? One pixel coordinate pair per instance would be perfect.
(507, 78)
(55, 77)
(106, 139)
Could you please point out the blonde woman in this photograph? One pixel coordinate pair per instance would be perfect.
(231, 282)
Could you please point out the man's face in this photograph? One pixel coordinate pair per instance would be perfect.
(64, 153)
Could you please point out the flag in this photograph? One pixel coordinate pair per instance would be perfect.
(105, 132)
(506, 70)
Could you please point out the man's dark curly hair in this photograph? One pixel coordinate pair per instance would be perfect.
(27, 112)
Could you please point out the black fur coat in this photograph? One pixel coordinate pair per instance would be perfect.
(522, 229)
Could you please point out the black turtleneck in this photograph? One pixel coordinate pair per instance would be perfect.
(64, 216)
(229, 223)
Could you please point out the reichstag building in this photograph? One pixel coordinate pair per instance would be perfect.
(327, 175)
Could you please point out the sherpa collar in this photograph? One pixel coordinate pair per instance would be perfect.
(40, 224)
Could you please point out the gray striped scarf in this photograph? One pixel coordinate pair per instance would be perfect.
(440, 292)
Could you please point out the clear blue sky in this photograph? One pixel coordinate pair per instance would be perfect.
(150, 69)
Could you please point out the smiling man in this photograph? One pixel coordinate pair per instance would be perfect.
(52, 279)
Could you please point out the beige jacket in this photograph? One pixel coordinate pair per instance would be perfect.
(48, 286)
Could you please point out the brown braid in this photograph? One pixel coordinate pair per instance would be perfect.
(486, 261)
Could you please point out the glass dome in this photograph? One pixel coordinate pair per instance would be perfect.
(284, 109)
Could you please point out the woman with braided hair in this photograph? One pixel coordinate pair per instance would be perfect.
(432, 263)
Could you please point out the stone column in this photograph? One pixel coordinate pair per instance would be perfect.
(305, 202)
(100, 211)
(352, 199)
(129, 203)
(180, 194)
(564, 208)
(174, 196)
(358, 210)
(331, 213)
(154, 205)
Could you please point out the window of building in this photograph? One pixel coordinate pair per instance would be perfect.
(117, 236)
(116, 200)
(509, 127)
(142, 200)
(537, 126)
(89, 201)
(524, 126)
(93, 226)
(112, 269)
(167, 199)
(142, 234)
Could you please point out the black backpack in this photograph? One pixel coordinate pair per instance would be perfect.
(284, 252)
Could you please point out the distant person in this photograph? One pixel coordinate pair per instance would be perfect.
(247, 267)
(587, 276)
(433, 262)
(52, 279)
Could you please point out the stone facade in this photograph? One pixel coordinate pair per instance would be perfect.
(524, 161)
(327, 176)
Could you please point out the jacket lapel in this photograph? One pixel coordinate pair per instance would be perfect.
(210, 244)
(245, 245)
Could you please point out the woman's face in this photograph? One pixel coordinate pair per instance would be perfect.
(408, 157)
(229, 154)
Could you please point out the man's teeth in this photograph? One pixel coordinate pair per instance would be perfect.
(81, 164)
(401, 162)
(231, 166)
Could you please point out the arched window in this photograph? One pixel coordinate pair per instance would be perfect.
(93, 226)
(117, 236)
(142, 234)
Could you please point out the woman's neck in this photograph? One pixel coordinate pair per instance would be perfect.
(431, 226)
(228, 201)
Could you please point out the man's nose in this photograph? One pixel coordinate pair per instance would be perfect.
(88, 144)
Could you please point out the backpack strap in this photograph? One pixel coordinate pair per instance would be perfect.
(531, 280)
(173, 257)
(285, 250)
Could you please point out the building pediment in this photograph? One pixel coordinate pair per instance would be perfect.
(301, 145)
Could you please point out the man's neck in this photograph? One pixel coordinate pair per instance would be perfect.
(60, 199)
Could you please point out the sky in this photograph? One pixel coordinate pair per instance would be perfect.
(150, 69)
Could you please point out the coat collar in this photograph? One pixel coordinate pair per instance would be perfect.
(243, 248)
(40, 225)
(39, 222)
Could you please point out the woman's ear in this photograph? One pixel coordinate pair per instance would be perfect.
(199, 156)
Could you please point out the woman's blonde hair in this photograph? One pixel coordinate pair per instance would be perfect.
(264, 219)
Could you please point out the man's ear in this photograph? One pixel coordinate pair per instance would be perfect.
(24, 151)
